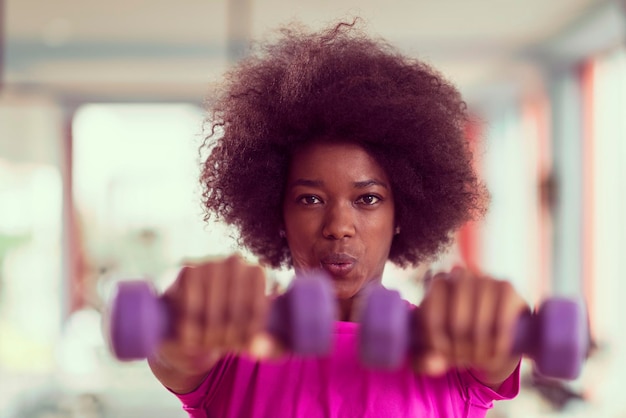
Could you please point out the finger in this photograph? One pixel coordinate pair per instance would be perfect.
(432, 321)
(509, 308)
(191, 310)
(424, 358)
(217, 281)
(261, 343)
(461, 309)
(483, 319)
(237, 308)
(258, 303)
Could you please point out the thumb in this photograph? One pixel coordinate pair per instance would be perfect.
(431, 363)
(265, 347)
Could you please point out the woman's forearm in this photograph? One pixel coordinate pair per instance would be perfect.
(176, 380)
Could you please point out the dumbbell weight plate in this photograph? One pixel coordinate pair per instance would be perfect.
(563, 338)
(384, 332)
(312, 313)
(138, 320)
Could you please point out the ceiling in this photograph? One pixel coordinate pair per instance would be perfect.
(167, 50)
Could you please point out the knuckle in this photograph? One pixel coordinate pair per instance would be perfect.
(234, 260)
(460, 329)
(505, 287)
(252, 275)
(183, 276)
(478, 335)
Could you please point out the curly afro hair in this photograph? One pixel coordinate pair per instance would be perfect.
(342, 84)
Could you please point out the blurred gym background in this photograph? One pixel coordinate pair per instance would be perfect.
(100, 120)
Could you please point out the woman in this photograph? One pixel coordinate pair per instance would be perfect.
(331, 150)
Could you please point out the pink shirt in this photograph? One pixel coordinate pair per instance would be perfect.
(337, 386)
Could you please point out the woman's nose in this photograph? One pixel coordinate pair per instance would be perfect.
(339, 221)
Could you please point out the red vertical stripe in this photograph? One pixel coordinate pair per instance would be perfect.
(73, 282)
(546, 189)
(468, 237)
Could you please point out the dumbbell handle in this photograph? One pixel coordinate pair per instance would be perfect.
(139, 320)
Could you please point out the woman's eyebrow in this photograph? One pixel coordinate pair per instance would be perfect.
(367, 183)
(306, 182)
(319, 183)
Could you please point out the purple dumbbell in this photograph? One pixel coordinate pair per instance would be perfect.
(555, 337)
(302, 318)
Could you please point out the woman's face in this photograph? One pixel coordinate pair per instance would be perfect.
(339, 214)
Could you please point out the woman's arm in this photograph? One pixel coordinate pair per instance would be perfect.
(176, 379)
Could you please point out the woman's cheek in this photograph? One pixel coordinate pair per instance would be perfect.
(300, 261)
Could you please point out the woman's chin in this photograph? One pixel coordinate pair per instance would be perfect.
(346, 290)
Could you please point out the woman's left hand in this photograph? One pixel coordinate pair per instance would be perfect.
(468, 320)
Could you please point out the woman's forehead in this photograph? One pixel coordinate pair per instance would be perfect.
(333, 160)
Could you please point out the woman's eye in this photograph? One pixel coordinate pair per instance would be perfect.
(309, 200)
(368, 199)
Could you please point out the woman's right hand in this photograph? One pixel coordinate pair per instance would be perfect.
(218, 307)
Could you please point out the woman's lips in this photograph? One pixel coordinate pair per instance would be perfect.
(338, 264)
